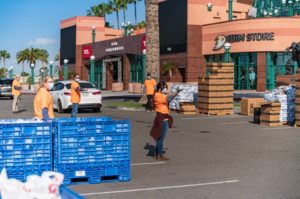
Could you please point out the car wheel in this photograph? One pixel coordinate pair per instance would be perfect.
(11, 97)
(96, 110)
(59, 107)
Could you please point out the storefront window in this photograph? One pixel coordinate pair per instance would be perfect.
(278, 63)
(245, 69)
(137, 69)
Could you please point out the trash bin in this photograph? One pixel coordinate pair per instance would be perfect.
(256, 115)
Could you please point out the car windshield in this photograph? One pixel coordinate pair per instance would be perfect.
(82, 85)
(6, 81)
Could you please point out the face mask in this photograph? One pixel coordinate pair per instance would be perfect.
(50, 85)
(77, 79)
(164, 91)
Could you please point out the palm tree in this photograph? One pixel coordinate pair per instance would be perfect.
(152, 35)
(93, 12)
(104, 9)
(135, 12)
(116, 6)
(43, 56)
(4, 55)
(21, 58)
(124, 4)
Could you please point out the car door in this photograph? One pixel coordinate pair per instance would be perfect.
(53, 92)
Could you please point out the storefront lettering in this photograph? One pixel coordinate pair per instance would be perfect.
(220, 40)
(268, 36)
(114, 49)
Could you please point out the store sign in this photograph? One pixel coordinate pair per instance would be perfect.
(236, 38)
(114, 46)
(87, 52)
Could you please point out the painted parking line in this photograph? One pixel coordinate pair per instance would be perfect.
(160, 188)
(276, 128)
(210, 117)
(229, 123)
(147, 163)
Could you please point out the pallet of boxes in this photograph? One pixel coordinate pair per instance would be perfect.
(216, 90)
(188, 108)
(297, 99)
(270, 114)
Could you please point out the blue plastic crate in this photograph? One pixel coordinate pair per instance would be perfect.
(67, 193)
(89, 145)
(25, 148)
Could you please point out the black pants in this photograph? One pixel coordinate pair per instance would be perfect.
(149, 102)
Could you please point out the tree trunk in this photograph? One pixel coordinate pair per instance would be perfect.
(152, 41)
(135, 17)
(23, 72)
(118, 19)
(124, 15)
(4, 65)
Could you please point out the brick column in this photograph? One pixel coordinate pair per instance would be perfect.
(261, 72)
(109, 75)
(126, 71)
(194, 53)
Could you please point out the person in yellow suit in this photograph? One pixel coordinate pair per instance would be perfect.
(149, 88)
(43, 101)
(16, 92)
(75, 95)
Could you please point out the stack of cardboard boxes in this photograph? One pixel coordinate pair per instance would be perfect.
(270, 114)
(248, 105)
(216, 89)
(188, 108)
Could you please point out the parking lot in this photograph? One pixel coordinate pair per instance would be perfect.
(211, 157)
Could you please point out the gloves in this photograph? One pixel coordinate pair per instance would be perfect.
(45, 114)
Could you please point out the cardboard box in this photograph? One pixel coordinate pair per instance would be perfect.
(248, 105)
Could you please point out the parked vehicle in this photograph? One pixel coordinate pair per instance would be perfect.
(90, 98)
(5, 87)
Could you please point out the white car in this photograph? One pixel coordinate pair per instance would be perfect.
(90, 98)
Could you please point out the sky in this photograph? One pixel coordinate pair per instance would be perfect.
(36, 23)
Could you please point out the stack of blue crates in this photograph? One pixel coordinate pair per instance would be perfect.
(93, 149)
(25, 147)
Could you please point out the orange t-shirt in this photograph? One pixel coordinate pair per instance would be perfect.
(13, 90)
(161, 103)
(43, 99)
(149, 85)
(75, 95)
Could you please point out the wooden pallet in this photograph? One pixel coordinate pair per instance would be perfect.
(188, 113)
(219, 106)
(265, 123)
(269, 117)
(216, 112)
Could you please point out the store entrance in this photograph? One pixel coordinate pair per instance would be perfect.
(245, 71)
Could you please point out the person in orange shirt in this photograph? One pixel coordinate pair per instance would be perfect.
(16, 92)
(149, 88)
(75, 95)
(163, 120)
(43, 101)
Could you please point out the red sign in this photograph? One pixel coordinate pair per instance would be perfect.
(144, 43)
(87, 52)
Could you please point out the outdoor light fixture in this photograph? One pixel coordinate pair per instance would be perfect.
(125, 26)
(32, 65)
(227, 46)
(93, 27)
(92, 69)
(66, 61)
(276, 11)
(66, 69)
(290, 2)
(283, 1)
(32, 75)
(265, 13)
(209, 6)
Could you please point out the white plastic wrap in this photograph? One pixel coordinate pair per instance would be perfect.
(189, 93)
(286, 96)
(36, 187)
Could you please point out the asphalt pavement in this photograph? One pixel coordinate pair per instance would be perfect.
(211, 157)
